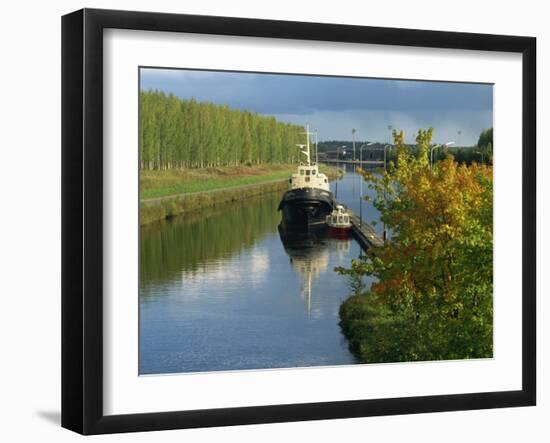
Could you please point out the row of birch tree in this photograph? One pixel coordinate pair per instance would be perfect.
(177, 133)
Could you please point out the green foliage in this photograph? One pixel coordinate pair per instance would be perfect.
(485, 145)
(463, 155)
(176, 133)
(432, 298)
(485, 138)
(481, 153)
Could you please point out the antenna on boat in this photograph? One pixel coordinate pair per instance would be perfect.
(306, 151)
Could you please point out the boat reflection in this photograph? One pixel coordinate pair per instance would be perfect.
(309, 253)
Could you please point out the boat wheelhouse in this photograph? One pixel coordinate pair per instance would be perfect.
(308, 176)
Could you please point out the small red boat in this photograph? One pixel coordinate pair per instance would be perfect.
(339, 223)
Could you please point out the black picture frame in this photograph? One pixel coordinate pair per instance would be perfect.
(82, 219)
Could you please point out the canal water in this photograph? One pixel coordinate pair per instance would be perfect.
(225, 289)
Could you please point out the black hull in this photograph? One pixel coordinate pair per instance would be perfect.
(306, 208)
(302, 244)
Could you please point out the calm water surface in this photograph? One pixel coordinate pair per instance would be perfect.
(224, 289)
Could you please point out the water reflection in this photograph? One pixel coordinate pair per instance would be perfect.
(309, 254)
(224, 289)
(191, 240)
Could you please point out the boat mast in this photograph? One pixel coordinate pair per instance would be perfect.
(306, 151)
(307, 141)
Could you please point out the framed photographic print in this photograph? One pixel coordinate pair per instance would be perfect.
(269, 221)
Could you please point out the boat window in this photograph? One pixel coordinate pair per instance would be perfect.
(290, 180)
(307, 179)
(313, 172)
(301, 172)
(340, 219)
(326, 181)
(346, 219)
(307, 171)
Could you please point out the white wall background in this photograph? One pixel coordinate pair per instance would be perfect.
(30, 219)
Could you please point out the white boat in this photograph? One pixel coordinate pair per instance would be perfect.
(308, 199)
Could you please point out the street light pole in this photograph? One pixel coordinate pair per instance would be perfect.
(384, 233)
(337, 172)
(361, 184)
(316, 147)
(385, 157)
(353, 135)
(337, 169)
(361, 188)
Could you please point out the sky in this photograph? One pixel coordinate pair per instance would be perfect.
(333, 106)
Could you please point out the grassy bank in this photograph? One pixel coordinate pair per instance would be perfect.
(165, 194)
(168, 208)
(155, 184)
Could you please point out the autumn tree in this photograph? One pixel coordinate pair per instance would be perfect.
(432, 295)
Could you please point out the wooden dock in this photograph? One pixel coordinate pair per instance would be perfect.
(364, 233)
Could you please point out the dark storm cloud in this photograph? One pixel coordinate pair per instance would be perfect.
(306, 96)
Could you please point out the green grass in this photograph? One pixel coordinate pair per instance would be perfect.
(211, 185)
(156, 184)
